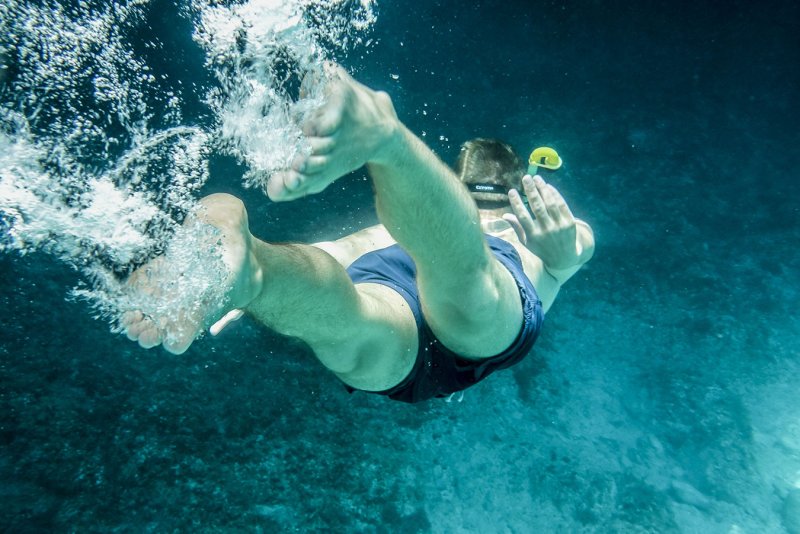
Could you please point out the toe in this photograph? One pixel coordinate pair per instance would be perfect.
(285, 185)
(178, 343)
(130, 317)
(182, 332)
(128, 321)
(149, 338)
(293, 180)
(315, 164)
(134, 331)
(321, 146)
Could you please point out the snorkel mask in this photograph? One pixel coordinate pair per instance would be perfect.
(542, 161)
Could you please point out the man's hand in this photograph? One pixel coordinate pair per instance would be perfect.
(352, 128)
(552, 234)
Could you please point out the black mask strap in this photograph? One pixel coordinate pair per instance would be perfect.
(487, 188)
(492, 188)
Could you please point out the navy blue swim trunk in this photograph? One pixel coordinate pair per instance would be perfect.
(439, 372)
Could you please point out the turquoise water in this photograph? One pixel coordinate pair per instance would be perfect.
(661, 396)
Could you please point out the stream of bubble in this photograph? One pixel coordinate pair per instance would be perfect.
(99, 168)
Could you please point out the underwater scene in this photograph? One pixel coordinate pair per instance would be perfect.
(661, 394)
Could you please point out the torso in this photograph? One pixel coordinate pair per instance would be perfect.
(351, 247)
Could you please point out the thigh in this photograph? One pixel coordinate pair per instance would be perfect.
(385, 348)
(477, 316)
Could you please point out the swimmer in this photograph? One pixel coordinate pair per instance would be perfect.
(450, 287)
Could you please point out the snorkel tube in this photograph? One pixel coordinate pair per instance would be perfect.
(543, 158)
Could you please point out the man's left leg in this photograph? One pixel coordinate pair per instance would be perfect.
(365, 334)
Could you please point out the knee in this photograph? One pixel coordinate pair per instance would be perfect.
(222, 201)
(222, 209)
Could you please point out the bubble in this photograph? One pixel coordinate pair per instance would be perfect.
(98, 167)
(188, 280)
(261, 52)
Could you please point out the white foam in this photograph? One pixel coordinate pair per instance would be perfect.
(247, 47)
(96, 166)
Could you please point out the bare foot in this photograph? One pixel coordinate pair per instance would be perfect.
(178, 300)
(349, 130)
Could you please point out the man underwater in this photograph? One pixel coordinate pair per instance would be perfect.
(427, 303)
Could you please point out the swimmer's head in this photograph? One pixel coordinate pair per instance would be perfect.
(489, 168)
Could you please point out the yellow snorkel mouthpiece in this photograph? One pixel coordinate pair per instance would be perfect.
(544, 157)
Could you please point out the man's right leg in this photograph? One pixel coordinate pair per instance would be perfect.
(469, 299)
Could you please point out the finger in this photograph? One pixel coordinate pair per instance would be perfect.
(329, 122)
(552, 198)
(566, 213)
(178, 340)
(521, 211)
(538, 206)
(276, 190)
(515, 224)
(228, 318)
(131, 335)
(317, 186)
(298, 163)
(556, 205)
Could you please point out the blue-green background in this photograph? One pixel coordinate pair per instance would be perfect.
(661, 397)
